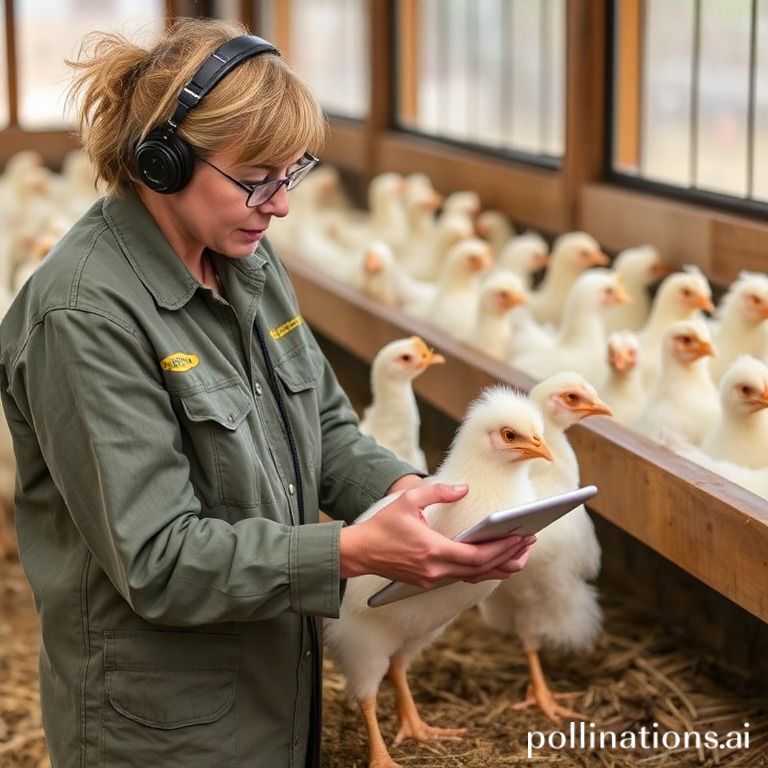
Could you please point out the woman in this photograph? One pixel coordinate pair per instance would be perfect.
(177, 428)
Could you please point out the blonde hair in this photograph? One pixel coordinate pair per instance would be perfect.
(261, 108)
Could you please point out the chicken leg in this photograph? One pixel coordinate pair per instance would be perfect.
(408, 718)
(378, 754)
(538, 693)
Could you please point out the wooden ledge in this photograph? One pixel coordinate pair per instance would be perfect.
(715, 530)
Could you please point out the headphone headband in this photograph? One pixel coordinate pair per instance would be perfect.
(165, 161)
(222, 61)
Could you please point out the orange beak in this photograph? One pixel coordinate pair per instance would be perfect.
(761, 401)
(598, 259)
(703, 348)
(595, 408)
(701, 301)
(536, 448)
(426, 355)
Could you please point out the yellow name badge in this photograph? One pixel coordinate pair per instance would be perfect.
(179, 362)
(281, 330)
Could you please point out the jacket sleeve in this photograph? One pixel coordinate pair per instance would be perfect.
(92, 390)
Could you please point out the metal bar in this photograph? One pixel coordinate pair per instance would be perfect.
(695, 78)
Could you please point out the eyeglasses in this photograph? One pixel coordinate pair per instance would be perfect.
(266, 190)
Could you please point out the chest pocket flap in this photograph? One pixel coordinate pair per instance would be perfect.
(300, 370)
(227, 405)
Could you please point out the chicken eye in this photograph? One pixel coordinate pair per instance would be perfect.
(686, 340)
(406, 358)
(687, 292)
(508, 435)
(571, 398)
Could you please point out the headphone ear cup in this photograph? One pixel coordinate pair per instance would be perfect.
(164, 163)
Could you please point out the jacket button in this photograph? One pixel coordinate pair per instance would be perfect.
(258, 389)
(291, 489)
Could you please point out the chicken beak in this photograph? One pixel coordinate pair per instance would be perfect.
(598, 259)
(481, 261)
(704, 348)
(703, 302)
(620, 361)
(433, 202)
(372, 264)
(596, 408)
(536, 448)
(435, 358)
(426, 355)
(621, 296)
(660, 270)
(761, 401)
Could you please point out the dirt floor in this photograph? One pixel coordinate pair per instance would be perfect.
(635, 677)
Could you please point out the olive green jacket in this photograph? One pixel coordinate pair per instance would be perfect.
(157, 507)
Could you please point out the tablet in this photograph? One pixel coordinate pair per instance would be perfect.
(523, 520)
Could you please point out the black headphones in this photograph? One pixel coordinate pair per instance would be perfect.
(165, 161)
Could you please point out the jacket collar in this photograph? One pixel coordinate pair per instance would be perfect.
(153, 259)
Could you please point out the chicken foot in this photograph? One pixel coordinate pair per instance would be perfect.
(408, 717)
(538, 693)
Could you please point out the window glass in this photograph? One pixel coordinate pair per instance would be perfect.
(487, 72)
(666, 95)
(723, 99)
(760, 129)
(329, 49)
(49, 31)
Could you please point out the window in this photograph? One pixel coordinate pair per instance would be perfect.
(49, 31)
(329, 49)
(691, 94)
(484, 72)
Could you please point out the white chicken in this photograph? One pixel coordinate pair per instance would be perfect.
(491, 451)
(500, 292)
(755, 480)
(623, 388)
(496, 228)
(639, 268)
(741, 434)
(685, 400)
(524, 255)
(464, 202)
(452, 306)
(580, 343)
(740, 327)
(572, 253)
(386, 220)
(393, 416)
(551, 603)
(681, 296)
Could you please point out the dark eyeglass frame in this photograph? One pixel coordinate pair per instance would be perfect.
(267, 189)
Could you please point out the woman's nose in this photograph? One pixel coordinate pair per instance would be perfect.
(277, 205)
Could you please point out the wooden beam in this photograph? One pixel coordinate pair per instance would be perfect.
(52, 145)
(408, 48)
(721, 244)
(10, 60)
(629, 65)
(584, 159)
(381, 103)
(715, 530)
(531, 196)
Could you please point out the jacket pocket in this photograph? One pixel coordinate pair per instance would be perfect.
(169, 699)
(224, 465)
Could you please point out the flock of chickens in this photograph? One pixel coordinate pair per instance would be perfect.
(669, 363)
(588, 331)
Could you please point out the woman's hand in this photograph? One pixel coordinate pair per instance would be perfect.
(397, 543)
